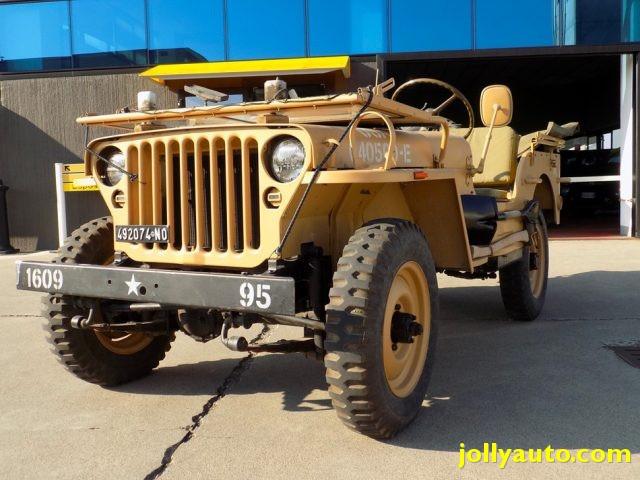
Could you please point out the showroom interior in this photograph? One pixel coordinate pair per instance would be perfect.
(562, 87)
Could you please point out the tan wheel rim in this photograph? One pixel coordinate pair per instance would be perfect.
(536, 277)
(409, 293)
(123, 343)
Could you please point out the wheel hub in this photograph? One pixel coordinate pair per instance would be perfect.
(404, 328)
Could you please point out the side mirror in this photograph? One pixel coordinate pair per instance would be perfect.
(496, 106)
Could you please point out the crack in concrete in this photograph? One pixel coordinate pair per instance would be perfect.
(196, 420)
(18, 315)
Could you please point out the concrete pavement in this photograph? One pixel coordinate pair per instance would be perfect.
(550, 382)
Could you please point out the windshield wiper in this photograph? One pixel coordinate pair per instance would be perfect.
(132, 176)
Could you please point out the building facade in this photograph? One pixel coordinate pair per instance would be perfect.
(74, 35)
(62, 58)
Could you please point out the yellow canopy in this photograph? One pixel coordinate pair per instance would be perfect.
(249, 68)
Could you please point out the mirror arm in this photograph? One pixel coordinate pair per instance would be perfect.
(485, 149)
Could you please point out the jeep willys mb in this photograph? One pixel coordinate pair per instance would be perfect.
(330, 213)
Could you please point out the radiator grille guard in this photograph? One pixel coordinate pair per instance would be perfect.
(209, 188)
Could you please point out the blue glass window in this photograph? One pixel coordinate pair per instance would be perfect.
(185, 31)
(631, 20)
(108, 33)
(430, 25)
(260, 29)
(347, 27)
(514, 23)
(598, 21)
(34, 36)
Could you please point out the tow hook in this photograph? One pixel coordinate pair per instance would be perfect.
(237, 344)
(81, 322)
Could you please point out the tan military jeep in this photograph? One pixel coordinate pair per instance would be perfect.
(330, 213)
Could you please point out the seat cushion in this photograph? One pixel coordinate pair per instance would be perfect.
(499, 195)
(501, 162)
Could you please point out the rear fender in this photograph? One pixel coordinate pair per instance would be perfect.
(538, 177)
(549, 198)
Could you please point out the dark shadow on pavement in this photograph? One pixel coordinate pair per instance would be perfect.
(522, 385)
(292, 375)
(597, 295)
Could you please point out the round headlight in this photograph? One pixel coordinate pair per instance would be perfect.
(287, 159)
(109, 174)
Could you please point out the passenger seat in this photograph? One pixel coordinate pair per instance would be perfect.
(501, 163)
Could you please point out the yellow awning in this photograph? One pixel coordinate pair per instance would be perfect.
(249, 68)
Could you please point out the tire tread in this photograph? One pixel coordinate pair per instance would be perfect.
(348, 370)
(84, 245)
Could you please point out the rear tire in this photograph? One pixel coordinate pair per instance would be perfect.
(386, 269)
(97, 357)
(524, 289)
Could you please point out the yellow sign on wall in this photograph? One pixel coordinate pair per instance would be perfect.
(75, 180)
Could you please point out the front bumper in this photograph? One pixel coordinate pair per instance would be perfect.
(234, 292)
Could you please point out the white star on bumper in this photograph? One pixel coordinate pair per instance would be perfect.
(133, 285)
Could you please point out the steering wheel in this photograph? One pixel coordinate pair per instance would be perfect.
(455, 95)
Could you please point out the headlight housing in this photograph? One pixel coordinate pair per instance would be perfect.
(108, 174)
(286, 158)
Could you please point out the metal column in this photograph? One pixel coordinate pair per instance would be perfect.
(628, 150)
(61, 205)
(636, 150)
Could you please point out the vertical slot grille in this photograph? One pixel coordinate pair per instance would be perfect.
(133, 187)
(204, 222)
(221, 192)
(205, 189)
(251, 194)
(238, 217)
(157, 180)
(175, 220)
